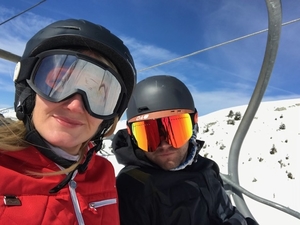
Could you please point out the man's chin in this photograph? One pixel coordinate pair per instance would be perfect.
(168, 165)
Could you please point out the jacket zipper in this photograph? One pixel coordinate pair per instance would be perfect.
(72, 187)
(94, 205)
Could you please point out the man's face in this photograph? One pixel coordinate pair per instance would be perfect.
(168, 157)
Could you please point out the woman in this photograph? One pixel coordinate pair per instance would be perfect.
(73, 83)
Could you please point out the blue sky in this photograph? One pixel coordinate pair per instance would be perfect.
(156, 31)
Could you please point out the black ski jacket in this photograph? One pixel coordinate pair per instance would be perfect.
(149, 195)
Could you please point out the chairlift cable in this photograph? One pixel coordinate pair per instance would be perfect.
(215, 46)
(15, 58)
(22, 12)
(8, 55)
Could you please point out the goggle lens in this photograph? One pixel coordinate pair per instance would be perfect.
(176, 130)
(59, 76)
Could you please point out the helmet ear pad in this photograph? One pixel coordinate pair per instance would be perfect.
(24, 101)
(24, 95)
(195, 121)
(195, 117)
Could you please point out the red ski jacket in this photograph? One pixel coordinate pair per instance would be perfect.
(89, 198)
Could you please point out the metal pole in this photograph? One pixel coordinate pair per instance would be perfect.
(9, 56)
(274, 30)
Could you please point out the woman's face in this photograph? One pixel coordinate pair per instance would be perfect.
(66, 124)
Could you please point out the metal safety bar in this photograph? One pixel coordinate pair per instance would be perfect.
(9, 56)
(274, 31)
(237, 188)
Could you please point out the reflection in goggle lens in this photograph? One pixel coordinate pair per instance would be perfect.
(59, 76)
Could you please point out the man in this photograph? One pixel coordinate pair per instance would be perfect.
(165, 181)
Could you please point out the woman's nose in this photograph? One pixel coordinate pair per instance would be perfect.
(75, 103)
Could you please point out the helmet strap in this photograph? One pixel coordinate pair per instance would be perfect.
(103, 128)
(97, 139)
(105, 125)
(25, 96)
(34, 138)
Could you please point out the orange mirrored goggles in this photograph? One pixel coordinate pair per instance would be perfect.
(175, 130)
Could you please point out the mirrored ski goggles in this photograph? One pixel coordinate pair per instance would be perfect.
(59, 75)
(175, 130)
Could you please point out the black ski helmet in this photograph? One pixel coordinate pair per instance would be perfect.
(158, 93)
(68, 34)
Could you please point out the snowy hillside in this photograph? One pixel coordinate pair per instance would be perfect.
(269, 158)
(269, 162)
